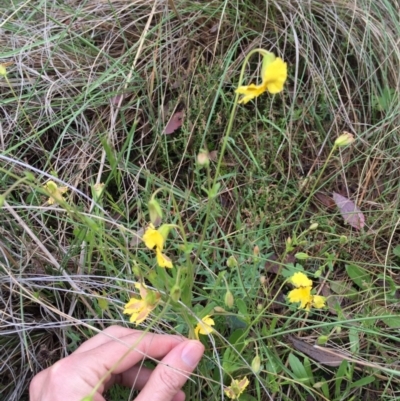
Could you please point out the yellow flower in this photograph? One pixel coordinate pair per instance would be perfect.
(204, 327)
(153, 239)
(302, 295)
(139, 309)
(56, 192)
(236, 388)
(299, 279)
(163, 260)
(318, 301)
(273, 75)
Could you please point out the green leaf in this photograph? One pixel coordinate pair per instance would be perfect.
(308, 369)
(241, 305)
(298, 369)
(388, 317)
(396, 250)
(362, 382)
(359, 276)
(354, 341)
(323, 385)
(340, 375)
(213, 192)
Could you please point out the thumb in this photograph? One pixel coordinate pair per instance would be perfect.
(173, 371)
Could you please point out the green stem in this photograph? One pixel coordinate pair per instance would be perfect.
(221, 155)
(311, 194)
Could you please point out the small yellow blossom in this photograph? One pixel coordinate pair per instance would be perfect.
(56, 192)
(163, 260)
(318, 301)
(302, 293)
(299, 279)
(273, 76)
(204, 327)
(139, 309)
(236, 388)
(153, 239)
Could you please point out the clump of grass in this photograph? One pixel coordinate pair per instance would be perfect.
(86, 100)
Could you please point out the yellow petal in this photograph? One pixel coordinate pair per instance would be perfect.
(299, 279)
(250, 92)
(142, 315)
(152, 238)
(302, 295)
(134, 305)
(163, 260)
(204, 327)
(318, 301)
(138, 309)
(55, 191)
(236, 388)
(275, 76)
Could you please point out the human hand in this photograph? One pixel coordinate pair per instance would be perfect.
(75, 376)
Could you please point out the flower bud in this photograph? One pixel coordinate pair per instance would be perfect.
(155, 211)
(301, 256)
(289, 244)
(175, 293)
(164, 231)
(203, 158)
(229, 300)
(256, 250)
(3, 71)
(256, 364)
(231, 262)
(342, 240)
(322, 340)
(98, 190)
(2, 200)
(313, 226)
(345, 139)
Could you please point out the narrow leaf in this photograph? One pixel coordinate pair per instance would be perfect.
(359, 276)
(298, 368)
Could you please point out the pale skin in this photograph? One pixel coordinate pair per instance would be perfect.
(75, 376)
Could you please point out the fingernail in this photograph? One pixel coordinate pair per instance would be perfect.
(192, 353)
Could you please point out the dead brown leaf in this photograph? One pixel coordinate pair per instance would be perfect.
(174, 122)
(326, 200)
(325, 356)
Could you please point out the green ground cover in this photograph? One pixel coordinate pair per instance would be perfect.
(88, 93)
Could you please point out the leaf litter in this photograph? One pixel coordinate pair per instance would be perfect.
(349, 211)
(174, 122)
